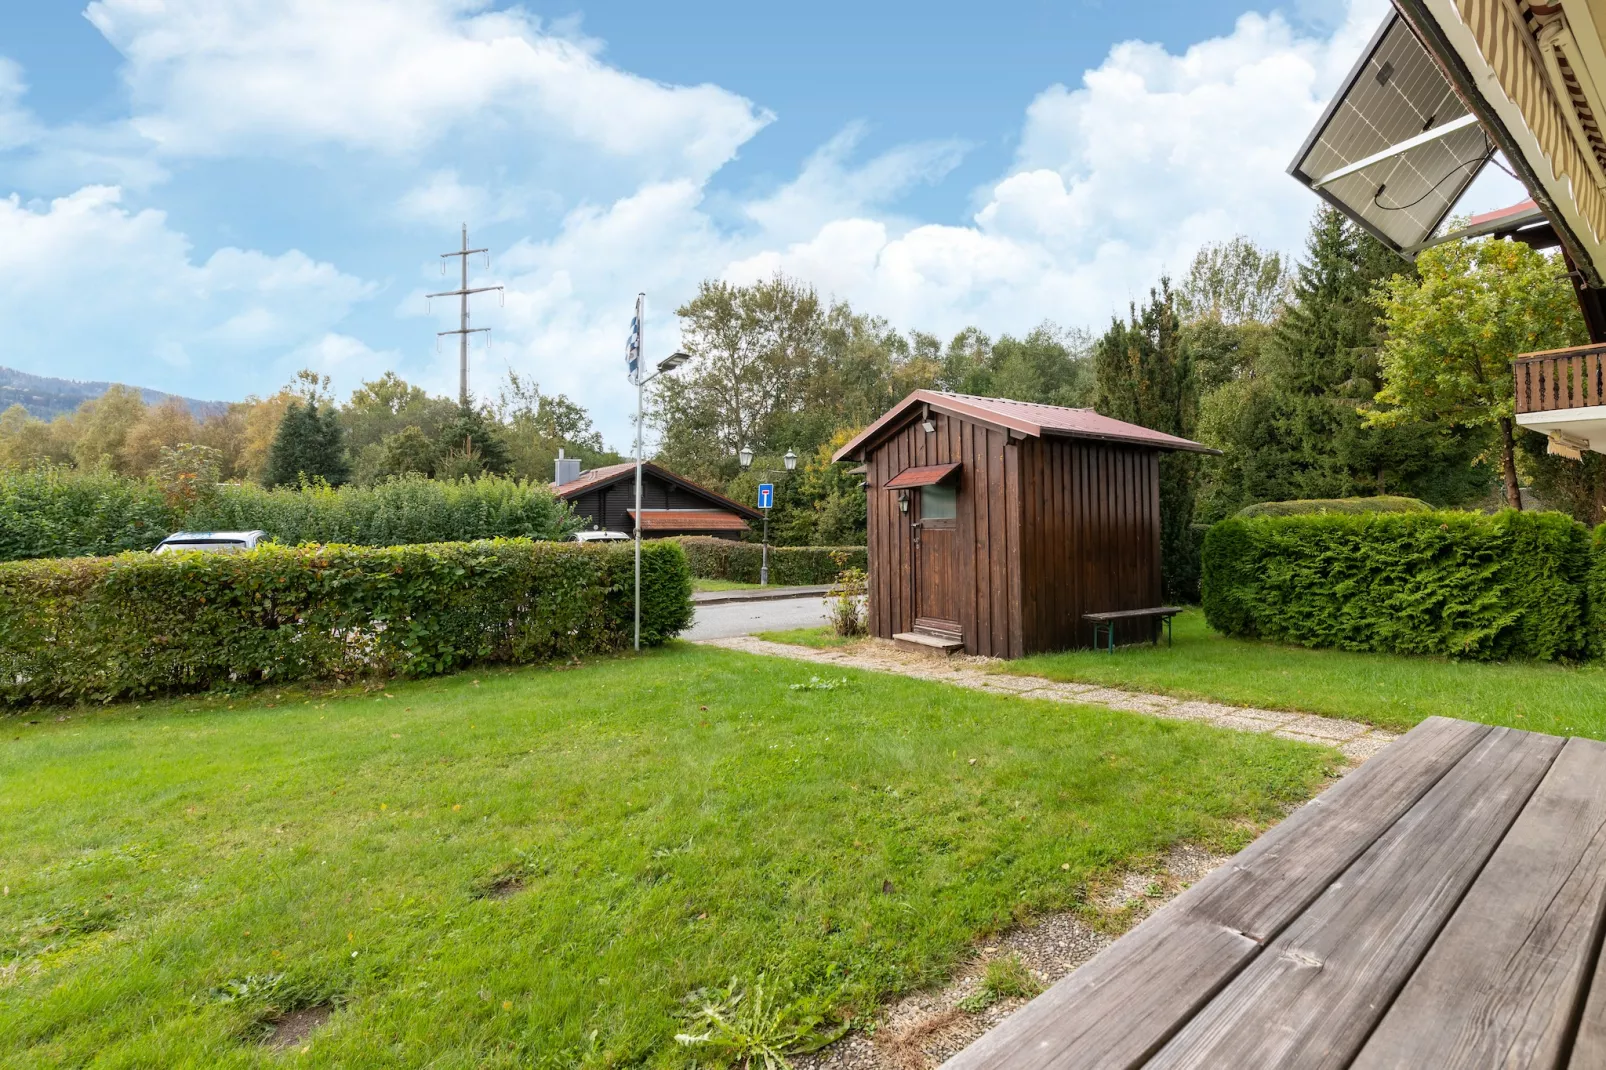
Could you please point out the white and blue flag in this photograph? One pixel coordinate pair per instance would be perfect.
(633, 347)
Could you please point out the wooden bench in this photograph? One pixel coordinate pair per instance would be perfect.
(1106, 621)
(1440, 906)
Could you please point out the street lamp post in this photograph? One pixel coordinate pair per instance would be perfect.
(745, 456)
(668, 364)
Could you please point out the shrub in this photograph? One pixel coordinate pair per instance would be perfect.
(61, 513)
(846, 603)
(1596, 597)
(407, 509)
(57, 512)
(1458, 584)
(739, 562)
(138, 624)
(1382, 503)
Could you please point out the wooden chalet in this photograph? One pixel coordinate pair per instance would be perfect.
(997, 524)
(670, 504)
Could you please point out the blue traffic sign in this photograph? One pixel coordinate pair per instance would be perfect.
(766, 495)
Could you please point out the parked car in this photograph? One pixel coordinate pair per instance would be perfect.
(211, 542)
(601, 536)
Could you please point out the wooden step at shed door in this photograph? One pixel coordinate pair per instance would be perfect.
(936, 589)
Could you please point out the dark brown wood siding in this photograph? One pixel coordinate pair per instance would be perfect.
(605, 507)
(1091, 539)
(987, 530)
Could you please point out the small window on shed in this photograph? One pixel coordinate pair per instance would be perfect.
(938, 502)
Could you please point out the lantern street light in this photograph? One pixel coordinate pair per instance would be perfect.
(745, 456)
(665, 366)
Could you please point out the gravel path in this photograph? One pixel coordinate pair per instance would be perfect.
(1357, 741)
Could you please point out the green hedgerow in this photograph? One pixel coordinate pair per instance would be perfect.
(739, 562)
(138, 624)
(1449, 583)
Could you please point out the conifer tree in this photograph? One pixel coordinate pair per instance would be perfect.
(470, 444)
(1145, 376)
(309, 445)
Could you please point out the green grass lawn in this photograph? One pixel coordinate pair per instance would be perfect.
(723, 585)
(822, 637)
(1385, 689)
(540, 867)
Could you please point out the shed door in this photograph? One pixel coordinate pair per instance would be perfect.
(936, 595)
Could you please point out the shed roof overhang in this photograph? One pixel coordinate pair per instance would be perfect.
(926, 475)
(1020, 419)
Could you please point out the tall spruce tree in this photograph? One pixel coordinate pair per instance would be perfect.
(1145, 376)
(310, 444)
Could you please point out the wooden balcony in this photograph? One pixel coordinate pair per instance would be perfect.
(1561, 379)
(1561, 393)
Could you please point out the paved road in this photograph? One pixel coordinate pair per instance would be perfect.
(743, 618)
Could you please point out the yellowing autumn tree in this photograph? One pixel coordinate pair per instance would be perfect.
(1453, 329)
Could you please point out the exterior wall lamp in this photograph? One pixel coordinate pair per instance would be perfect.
(903, 501)
(928, 425)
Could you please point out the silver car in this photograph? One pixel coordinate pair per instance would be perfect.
(211, 542)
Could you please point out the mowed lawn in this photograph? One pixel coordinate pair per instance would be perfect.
(540, 867)
(1388, 690)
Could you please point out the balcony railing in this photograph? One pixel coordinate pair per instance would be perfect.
(1561, 379)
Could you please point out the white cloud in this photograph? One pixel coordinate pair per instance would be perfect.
(103, 290)
(396, 76)
(17, 126)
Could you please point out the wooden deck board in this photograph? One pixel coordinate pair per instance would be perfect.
(1315, 993)
(1498, 986)
(1124, 1005)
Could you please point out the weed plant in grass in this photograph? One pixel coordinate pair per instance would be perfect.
(1390, 690)
(554, 867)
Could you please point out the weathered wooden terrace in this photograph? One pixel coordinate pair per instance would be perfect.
(1441, 906)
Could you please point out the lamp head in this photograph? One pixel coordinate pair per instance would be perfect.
(673, 361)
(745, 455)
(790, 460)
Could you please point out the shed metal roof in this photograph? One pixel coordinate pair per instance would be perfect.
(1024, 417)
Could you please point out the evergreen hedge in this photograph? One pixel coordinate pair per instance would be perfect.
(74, 629)
(1381, 503)
(790, 566)
(1595, 597)
(55, 512)
(1459, 584)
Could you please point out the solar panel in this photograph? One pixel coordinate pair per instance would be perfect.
(1396, 98)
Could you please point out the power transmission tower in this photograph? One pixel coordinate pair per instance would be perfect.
(463, 329)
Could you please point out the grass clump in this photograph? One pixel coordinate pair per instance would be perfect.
(822, 637)
(1005, 977)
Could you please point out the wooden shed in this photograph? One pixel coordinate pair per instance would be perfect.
(605, 500)
(997, 524)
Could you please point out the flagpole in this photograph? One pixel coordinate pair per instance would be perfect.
(640, 352)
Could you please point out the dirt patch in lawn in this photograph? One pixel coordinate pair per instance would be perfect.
(925, 1028)
(289, 1030)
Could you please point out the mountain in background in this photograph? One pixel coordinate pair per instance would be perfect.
(46, 398)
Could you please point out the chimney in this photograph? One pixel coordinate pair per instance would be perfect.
(568, 469)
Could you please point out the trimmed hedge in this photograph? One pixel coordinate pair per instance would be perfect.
(56, 512)
(1596, 596)
(1382, 503)
(1459, 584)
(790, 566)
(140, 624)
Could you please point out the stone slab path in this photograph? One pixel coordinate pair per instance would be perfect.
(1357, 741)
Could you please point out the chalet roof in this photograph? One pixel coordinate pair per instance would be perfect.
(608, 474)
(689, 520)
(1024, 417)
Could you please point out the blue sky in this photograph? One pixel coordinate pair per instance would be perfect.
(205, 195)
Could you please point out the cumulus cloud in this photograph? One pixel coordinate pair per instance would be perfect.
(396, 76)
(17, 126)
(84, 275)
